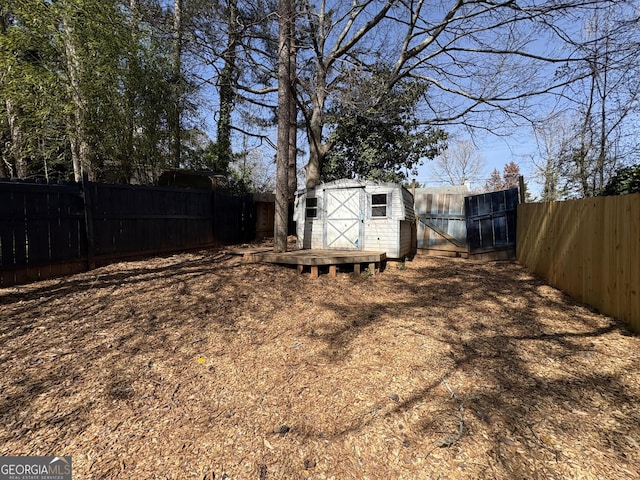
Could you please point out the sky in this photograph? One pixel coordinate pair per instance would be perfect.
(467, 73)
(496, 153)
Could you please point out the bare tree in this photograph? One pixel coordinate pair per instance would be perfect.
(553, 137)
(460, 163)
(479, 59)
(334, 35)
(603, 101)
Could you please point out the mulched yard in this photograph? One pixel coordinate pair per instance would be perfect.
(197, 366)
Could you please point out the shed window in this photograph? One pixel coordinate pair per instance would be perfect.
(312, 208)
(379, 205)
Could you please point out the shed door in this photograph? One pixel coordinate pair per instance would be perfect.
(344, 219)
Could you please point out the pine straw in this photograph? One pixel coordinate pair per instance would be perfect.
(197, 366)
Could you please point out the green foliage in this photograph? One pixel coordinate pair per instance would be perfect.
(31, 84)
(625, 180)
(376, 135)
(207, 158)
(124, 65)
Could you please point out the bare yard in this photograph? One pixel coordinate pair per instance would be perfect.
(197, 366)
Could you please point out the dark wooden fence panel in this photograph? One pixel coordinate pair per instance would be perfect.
(491, 221)
(51, 230)
(40, 224)
(130, 219)
(234, 218)
(42, 231)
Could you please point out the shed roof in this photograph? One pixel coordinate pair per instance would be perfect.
(349, 183)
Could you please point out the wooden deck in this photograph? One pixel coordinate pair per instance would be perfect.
(313, 260)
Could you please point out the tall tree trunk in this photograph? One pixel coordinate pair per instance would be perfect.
(602, 147)
(176, 107)
(281, 221)
(133, 71)
(15, 136)
(228, 77)
(317, 149)
(293, 116)
(80, 147)
(11, 153)
(586, 138)
(5, 166)
(292, 171)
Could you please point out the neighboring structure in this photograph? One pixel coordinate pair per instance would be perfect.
(203, 179)
(356, 215)
(265, 213)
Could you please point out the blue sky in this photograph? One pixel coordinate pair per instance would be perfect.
(496, 152)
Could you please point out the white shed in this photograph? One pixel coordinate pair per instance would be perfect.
(356, 215)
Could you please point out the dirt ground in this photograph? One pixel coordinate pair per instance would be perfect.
(197, 366)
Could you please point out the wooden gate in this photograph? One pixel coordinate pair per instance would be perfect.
(491, 222)
(344, 222)
(442, 227)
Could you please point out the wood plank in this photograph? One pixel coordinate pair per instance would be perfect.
(589, 248)
(428, 223)
(317, 257)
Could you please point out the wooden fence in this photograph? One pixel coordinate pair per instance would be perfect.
(51, 230)
(491, 224)
(442, 224)
(588, 248)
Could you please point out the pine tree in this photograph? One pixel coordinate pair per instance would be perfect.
(510, 175)
(494, 183)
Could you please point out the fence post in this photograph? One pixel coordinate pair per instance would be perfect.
(88, 218)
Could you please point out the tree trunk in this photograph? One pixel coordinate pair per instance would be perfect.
(284, 126)
(602, 150)
(80, 148)
(227, 85)
(317, 149)
(8, 151)
(176, 107)
(15, 136)
(128, 155)
(293, 117)
(292, 172)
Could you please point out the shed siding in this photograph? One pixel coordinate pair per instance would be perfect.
(392, 234)
(382, 234)
(309, 231)
(312, 234)
(407, 239)
(409, 211)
